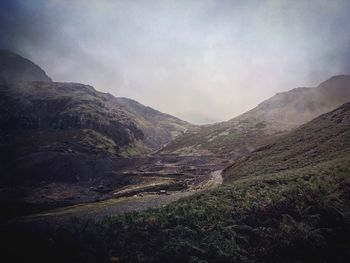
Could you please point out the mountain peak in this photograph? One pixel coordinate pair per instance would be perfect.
(271, 118)
(338, 80)
(14, 68)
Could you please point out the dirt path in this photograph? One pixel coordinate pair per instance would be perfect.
(109, 207)
(122, 205)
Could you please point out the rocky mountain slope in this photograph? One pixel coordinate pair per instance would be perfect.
(261, 125)
(158, 128)
(53, 131)
(14, 68)
(323, 139)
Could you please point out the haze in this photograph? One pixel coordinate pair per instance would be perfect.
(202, 61)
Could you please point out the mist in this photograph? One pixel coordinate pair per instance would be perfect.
(202, 61)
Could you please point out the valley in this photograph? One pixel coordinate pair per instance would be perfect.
(140, 197)
(89, 177)
(67, 144)
(154, 182)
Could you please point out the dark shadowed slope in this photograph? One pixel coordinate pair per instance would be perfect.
(323, 139)
(16, 68)
(52, 131)
(261, 125)
(59, 131)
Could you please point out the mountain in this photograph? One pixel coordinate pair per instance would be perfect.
(14, 68)
(53, 131)
(261, 125)
(325, 138)
(286, 202)
(158, 128)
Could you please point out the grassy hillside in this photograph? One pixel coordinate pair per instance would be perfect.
(263, 124)
(297, 214)
(324, 138)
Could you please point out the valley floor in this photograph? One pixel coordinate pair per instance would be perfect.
(154, 181)
(120, 205)
(296, 215)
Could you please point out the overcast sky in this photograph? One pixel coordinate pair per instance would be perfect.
(202, 61)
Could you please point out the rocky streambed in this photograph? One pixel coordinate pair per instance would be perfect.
(114, 206)
(153, 185)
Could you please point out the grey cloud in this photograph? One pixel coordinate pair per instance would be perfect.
(203, 61)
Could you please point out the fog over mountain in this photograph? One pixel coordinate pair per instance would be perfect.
(202, 61)
(101, 155)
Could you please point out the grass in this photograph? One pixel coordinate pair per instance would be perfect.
(92, 139)
(286, 202)
(325, 138)
(133, 149)
(221, 139)
(85, 208)
(299, 215)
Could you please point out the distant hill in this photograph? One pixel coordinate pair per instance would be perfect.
(52, 131)
(14, 68)
(261, 125)
(323, 139)
(158, 128)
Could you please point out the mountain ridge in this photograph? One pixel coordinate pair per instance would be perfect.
(324, 138)
(14, 68)
(45, 123)
(272, 117)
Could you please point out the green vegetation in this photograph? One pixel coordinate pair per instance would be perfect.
(300, 215)
(136, 148)
(286, 202)
(325, 138)
(234, 139)
(92, 139)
